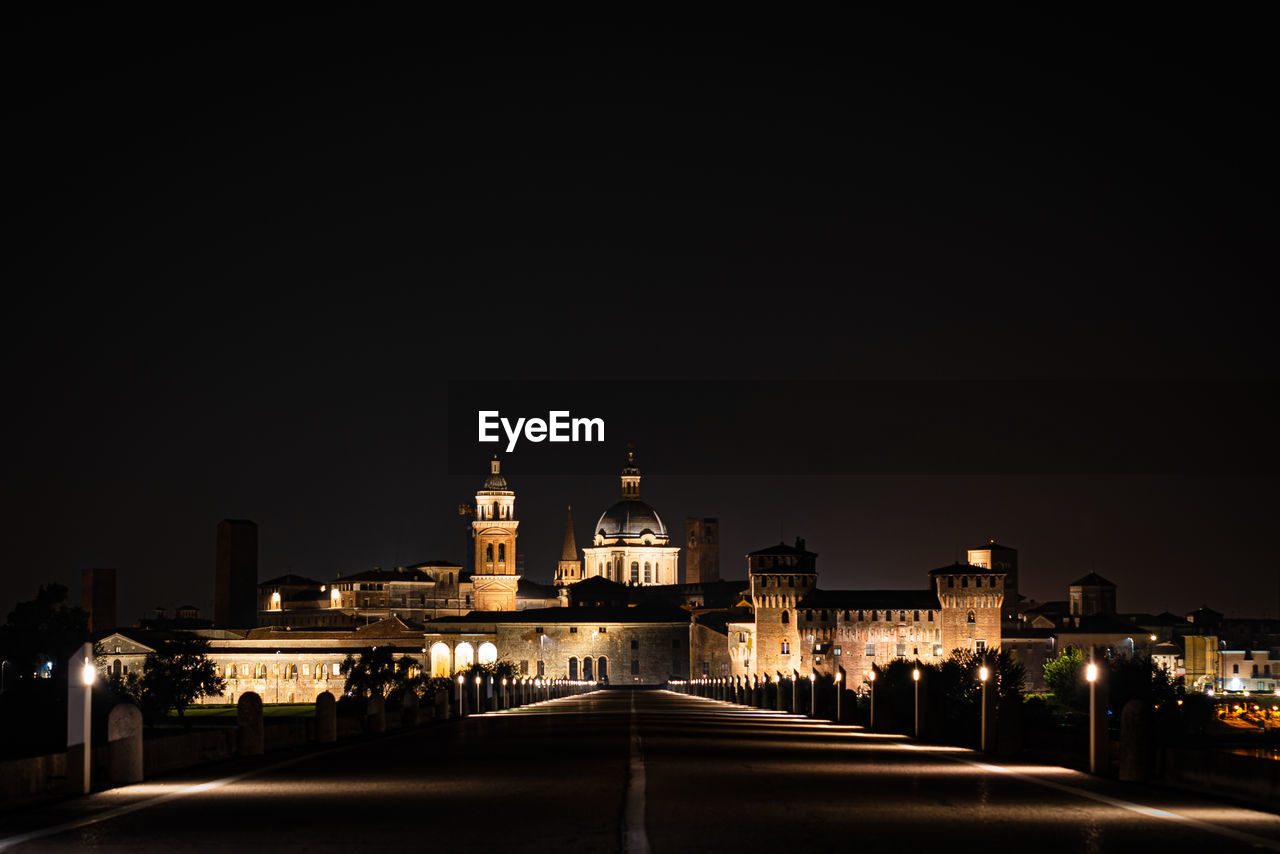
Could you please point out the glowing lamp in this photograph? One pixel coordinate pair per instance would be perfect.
(983, 674)
(1091, 673)
(477, 680)
(461, 679)
(838, 675)
(812, 677)
(915, 674)
(504, 681)
(871, 677)
(88, 673)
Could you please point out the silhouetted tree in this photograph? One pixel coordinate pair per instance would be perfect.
(177, 674)
(44, 629)
(372, 672)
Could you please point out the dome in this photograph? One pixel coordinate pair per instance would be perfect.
(495, 483)
(631, 518)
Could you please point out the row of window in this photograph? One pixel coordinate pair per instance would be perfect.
(977, 581)
(287, 671)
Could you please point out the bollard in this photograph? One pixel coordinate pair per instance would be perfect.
(375, 714)
(326, 718)
(409, 709)
(1009, 727)
(249, 724)
(124, 744)
(1137, 745)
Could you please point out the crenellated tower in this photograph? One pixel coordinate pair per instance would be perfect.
(495, 579)
(569, 570)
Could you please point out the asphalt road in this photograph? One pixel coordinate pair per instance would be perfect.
(636, 771)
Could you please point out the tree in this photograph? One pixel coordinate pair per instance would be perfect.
(177, 674)
(44, 629)
(1064, 676)
(372, 673)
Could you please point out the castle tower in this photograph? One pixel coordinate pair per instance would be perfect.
(971, 598)
(569, 570)
(495, 579)
(780, 577)
(1001, 559)
(702, 557)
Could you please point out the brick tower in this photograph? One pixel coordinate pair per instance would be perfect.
(495, 578)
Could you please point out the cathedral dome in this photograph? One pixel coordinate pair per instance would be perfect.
(631, 518)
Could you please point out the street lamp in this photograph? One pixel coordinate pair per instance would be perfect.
(1098, 739)
(813, 695)
(79, 702)
(987, 732)
(461, 679)
(839, 693)
(478, 706)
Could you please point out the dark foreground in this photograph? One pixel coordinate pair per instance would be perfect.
(637, 771)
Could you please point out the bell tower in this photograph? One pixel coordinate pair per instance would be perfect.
(569, 570)
(495, 580)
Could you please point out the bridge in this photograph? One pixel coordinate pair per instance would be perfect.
(637, 771)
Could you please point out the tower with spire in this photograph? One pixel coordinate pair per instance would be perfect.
(569, 570)
(495, 579)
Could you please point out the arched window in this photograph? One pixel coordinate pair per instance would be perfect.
(573, 668)
(291, 671)
(502, 552)
(786, 617)
(115, 668)
(742, 637)
(786, 647)
(915, 615)
(608, 570)
(464, 657)
(587, 668)
(635, 572)
(231, 671)
(602, 667)
(648, 574)
(488, 653)
(440, 659)
(971, 619)
(488, 552)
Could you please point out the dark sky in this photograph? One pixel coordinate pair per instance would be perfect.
(245, 256)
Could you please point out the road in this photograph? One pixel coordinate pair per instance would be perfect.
(635, 771)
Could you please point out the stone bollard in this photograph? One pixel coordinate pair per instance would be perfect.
(1137, 744)
(375, 714)
(1009, 726)
(124, 744)
(410, 714)
(249, 724)
(442, 705)
(326, 718)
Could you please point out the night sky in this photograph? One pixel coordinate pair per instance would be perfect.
(245, 257)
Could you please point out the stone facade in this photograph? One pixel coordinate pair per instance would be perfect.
(640, 645)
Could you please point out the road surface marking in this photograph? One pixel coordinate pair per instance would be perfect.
(635, 840)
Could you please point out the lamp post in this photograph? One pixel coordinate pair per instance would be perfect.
(813, 694)
(504, 692)
(1098, 738)
(839, 693)
(871, 680)
(479, 708)
(80, 676)
(988, 731)
(461, 679)
(915, 677)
